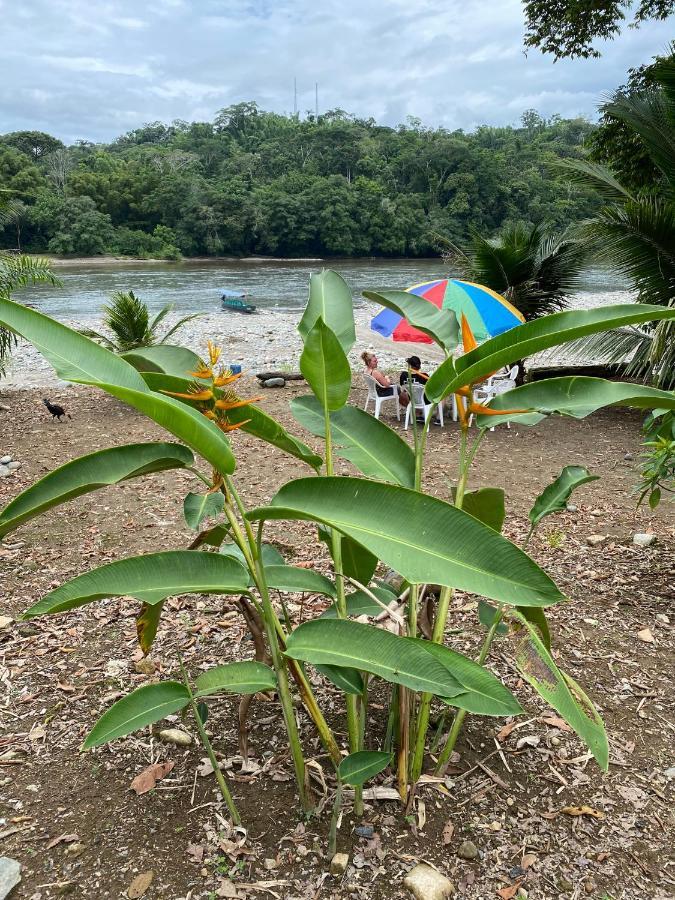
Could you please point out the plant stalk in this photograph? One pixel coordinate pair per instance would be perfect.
(458, 721)
(353, 723)
(220, 778)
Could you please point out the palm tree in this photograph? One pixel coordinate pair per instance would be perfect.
(533, 268)
(128, 318)
(634, 231)
(16, 271)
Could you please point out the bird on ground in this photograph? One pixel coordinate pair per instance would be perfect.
(56, 410)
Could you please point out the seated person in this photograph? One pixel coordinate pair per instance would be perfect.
(383, 384)
(414, 374)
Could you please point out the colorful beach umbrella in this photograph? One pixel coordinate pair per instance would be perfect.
(487, 312)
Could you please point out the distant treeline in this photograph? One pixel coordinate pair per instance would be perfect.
(254, 182)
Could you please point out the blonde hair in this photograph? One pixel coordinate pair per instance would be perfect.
(366, 356)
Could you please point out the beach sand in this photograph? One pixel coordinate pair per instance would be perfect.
(268, 340)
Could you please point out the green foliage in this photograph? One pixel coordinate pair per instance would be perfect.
(365, 521)
(555, 496)
(658, 460)
(128, 318)
(570, 27)
(16, 271)
(535, 269)
(362, 765)
(336, 186)
(634, 230)
(88, 473)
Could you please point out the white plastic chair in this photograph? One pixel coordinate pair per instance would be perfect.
(378, 400)
(417, 403)
(499, 383)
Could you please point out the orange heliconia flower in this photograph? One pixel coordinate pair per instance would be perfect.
(209, 413)
(235, 404)
(232, 426)
(202, 372)
(197, 395)
(478, 409)
(223, 379)
(468, 338)
(214, 352)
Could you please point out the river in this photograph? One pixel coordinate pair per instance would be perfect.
(271, 284)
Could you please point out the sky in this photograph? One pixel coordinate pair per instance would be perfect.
(94, 69)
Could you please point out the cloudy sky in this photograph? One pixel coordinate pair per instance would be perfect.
(93, 69)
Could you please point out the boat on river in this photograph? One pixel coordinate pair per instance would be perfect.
(235, 301)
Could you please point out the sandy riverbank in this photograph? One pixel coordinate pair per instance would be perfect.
(262, 341)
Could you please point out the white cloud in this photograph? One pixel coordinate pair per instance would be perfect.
(107, 67)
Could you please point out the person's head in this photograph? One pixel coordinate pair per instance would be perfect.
(414, 362)
(369, 359)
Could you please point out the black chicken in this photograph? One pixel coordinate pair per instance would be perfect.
(56, 410)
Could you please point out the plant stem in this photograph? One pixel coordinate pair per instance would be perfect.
(465, 460)
(458, 721)
(249, 546)
(220, 778)
(332, 832)
(257, 570)
(353, 723)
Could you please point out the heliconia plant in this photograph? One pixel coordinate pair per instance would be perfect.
(380, 517)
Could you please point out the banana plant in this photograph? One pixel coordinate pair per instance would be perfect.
(378, 516)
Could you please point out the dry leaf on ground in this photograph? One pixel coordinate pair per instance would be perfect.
(140, 884)
(646, 636)
(448, 831)
(583, 811)
(63, 839)
(507, 893)
(149, 777)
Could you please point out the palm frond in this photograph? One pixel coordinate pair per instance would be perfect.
(179, 324)
(637, 239)
(128, 318)
(17, 271)
(596, 177)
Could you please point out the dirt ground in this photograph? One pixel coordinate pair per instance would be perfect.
(72, 821)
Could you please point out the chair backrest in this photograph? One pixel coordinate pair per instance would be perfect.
(513, 372)
(418, 394)
(370, 383)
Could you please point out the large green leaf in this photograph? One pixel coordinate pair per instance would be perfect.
(262, 426)
(163, 358)
(76, 358)
(401, 660)
(375, 449)
(486, 505)
(247, 677)
(256, 422)
(330, 299)
(562, 692)
(357, 562)
(144, 706)
(532, 337)
(150, 578)
(348, 680)
(482, 693)
(576, 396)
(555, 495)
(87, 473)
(325, 367)
(197, 507)
(423, 538)
(73, 356)
(181, 420)
(295, 580)
(359, 603)
(147, 623)
(440, 324)
(362, 765)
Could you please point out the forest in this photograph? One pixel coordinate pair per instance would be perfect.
(256, 182)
